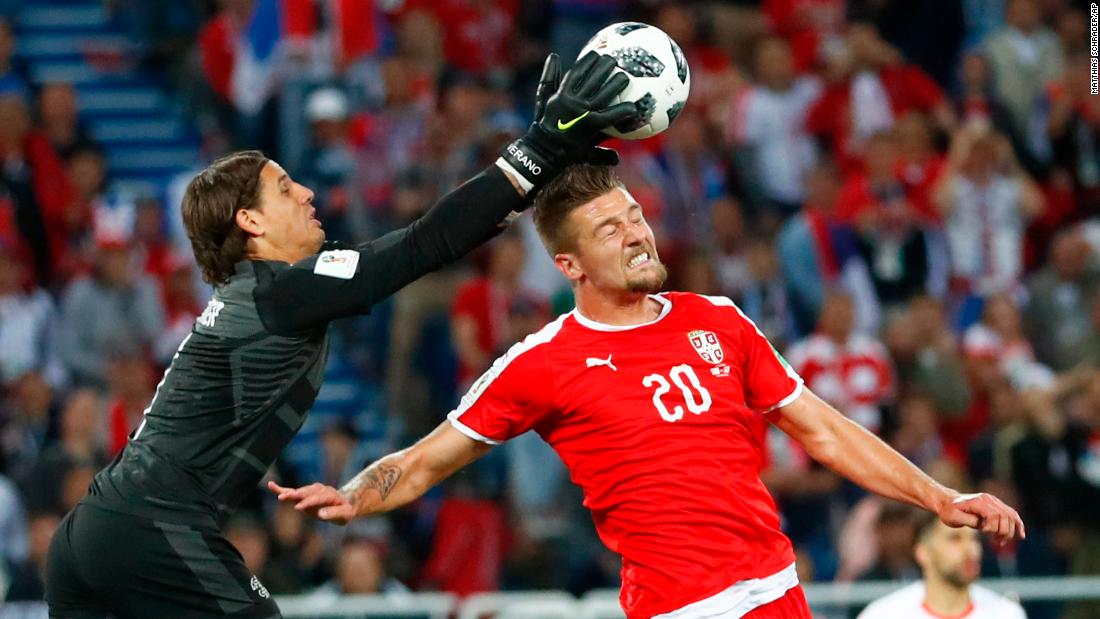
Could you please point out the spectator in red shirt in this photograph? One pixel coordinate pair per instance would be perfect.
(58, 116)
(480, 314)
(478, 36)
(33, 177)
(872, 87)
(919, 164)
(851, 371)
(808, 25)
(130, 387)
(217, 44)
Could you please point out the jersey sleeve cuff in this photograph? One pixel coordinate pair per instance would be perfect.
(468, 431)
(787, 400)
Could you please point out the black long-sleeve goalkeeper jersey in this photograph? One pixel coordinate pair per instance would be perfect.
(242, 382)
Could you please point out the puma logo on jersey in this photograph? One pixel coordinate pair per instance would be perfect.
(592, 362)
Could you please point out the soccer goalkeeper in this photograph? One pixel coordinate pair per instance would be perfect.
(146, 540)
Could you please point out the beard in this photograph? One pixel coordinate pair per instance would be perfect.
(957, 578)
(649, 281)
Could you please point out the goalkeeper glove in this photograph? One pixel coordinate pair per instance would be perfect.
(570, 116)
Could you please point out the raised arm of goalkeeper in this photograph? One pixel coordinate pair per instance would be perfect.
(570, 116)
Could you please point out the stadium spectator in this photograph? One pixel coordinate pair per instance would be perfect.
(482, 308)
(33, 178)
(361, 569)
(339, 443)
(478, 35)
(887, 220)
(690, 175)
(893, 531)
(919, 163)
(810, 26)
(27, 323)
(853, 372)
(297, 558)
(58, 118)
(975, 101)
(927, 356)
(331, 168)
(80, 443)
(729, 238)
(181, 307)
(993, 348)
(392, 140)
(916, 435)
(819, 252)
(27, 423)
(870, 87)
(1054, 469)
(1073, 126)
(764, 300)
(92, 210)
(1061, 295)
(130, 383)
(113, 306)
(986, 201)
(769, 121)
(151, 248)
(27, 579)
(468, 546)
(1023, 57)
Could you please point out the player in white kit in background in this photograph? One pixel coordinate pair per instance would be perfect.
(950, 560)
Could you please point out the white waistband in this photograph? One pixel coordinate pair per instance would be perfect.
(738, 599)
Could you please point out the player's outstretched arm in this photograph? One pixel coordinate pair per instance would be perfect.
(391, 481)
(847, 448)
(570, 117)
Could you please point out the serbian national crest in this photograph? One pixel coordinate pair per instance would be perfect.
(706, 344)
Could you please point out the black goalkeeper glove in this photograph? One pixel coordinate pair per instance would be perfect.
(570, 117)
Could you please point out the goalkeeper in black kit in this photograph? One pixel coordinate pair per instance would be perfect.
(146, 540)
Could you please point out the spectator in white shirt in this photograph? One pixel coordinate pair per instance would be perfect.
(769, 120)
(986, 200)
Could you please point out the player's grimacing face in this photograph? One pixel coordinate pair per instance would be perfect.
(954, 555)
(616, 250)
(287, 212)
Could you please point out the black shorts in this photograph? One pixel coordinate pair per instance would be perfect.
(105, 564)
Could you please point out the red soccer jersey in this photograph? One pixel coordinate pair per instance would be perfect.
(656, 425)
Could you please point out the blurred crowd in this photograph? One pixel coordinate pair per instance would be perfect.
(905, 197)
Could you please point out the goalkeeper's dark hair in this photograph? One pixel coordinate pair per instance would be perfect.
(574, 187)
(210, 207)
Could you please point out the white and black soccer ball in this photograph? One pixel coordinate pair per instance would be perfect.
(659, 75)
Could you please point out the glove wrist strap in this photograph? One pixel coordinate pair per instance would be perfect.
(506, 167)
(534, 168)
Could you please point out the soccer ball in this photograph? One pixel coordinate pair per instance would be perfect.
(658, 71)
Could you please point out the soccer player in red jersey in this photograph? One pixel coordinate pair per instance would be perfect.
(650, 399)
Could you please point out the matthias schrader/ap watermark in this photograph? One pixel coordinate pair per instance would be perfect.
(1094, 61)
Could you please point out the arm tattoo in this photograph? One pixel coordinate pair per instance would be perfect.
(379, 476)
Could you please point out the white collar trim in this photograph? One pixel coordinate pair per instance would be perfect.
(666, 307)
